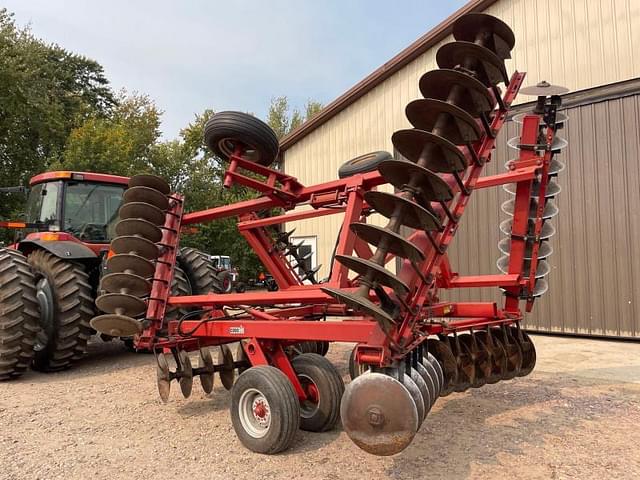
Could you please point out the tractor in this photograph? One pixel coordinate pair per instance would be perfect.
(49, 276)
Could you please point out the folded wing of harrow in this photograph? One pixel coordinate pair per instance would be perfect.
(411, 347)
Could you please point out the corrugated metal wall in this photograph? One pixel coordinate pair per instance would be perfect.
(595, 42)
(595, 276)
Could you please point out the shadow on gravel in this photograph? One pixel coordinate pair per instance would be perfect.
(477, 426)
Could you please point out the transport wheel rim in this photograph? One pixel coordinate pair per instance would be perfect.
(311, 405)
(254, 412)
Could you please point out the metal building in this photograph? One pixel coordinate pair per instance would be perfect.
(593, 48)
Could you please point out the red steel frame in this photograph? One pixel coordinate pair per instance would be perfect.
(266, 331)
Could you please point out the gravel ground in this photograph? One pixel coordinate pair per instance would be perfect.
(576, 416)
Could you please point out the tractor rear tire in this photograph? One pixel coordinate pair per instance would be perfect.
(66, 307)
(18, 314)
(199, 271)
(180, 287)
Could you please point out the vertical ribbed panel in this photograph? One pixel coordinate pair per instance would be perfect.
(595, 276)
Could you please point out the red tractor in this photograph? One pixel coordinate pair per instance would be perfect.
(49, 277)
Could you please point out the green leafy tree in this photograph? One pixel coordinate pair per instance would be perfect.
(45, 93)
(284, 120)
(119, 143)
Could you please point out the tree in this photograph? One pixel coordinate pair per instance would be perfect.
(119, 143)
(45, 92)
(282, 121)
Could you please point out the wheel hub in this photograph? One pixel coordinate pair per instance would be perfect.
(261, 412)
(44, 296)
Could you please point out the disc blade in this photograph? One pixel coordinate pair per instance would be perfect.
(400, 173)
(489, 68)
(496, 354)
(136, 245)
(130, 263)
(544, 250)
(480, 358)
(512, 351)
(411, 214)
(429, 150)
(116, 325)
(542, 269)
(528, 351)
(493, 32)
(561, 117)
(558, 143)
(425, 396)
(437, 367)
(547, 231)
(471, 95)
(396, 244)
(146, 195)
(432, 392)
(373, 273)
(416, 396)
(466, 366)
(185, 374)
(452, 122)
(447, 361)
(550, 209)
(553, 189)
(431, 373)
(126, 283)
(164, 378)
(227, 373)
(142, 210)
(378, 414)
(150, 181)
(207, 372)
(361, 304)
(544, 89)
(139, 227)
(121, 303)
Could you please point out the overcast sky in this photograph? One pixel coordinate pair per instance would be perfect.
(232, 55)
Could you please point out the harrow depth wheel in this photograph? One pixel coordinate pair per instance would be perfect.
(324, 388)
(265, 410)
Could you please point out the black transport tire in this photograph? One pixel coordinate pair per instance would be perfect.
(318, 375)
(241, 287)
(226, 130)
(355, 369)
(199, 270)
(18, 314)
(180, 287)
(363, 164)
(269, 388)
(66, 308)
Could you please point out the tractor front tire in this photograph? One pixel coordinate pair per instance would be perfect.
(18, 314)
(65, 298)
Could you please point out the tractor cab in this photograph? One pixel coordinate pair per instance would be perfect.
(84, 206)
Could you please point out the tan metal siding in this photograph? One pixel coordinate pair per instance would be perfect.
(577, 43)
